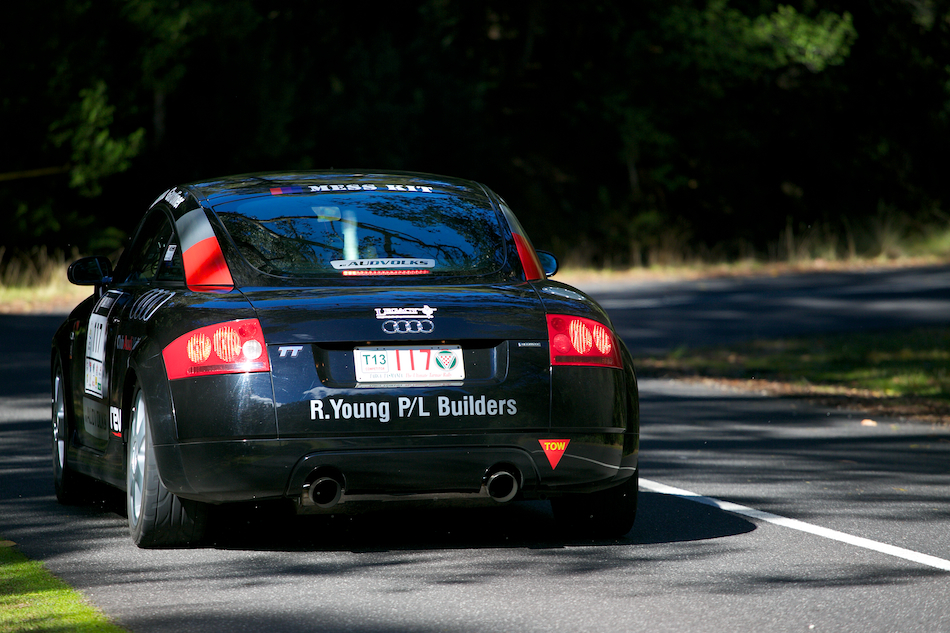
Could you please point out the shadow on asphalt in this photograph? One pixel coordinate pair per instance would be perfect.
(26, 342)
(660, 519)
(658, 317)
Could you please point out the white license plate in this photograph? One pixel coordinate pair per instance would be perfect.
(419, 363)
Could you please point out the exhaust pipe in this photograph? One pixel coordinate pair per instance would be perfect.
(325, 492)
(502, 485)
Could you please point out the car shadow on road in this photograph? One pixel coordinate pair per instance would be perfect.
(660, 519)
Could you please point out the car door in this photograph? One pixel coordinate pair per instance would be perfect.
(152, 261)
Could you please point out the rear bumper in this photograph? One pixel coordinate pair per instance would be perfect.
(376, 468)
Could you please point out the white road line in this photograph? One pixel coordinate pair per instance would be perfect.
(884, 548)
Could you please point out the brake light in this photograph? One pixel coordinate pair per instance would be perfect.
(579, 341)
(236, 347)
(379, 273)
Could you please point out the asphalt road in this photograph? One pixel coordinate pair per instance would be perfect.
(657, 317)
(686, 565)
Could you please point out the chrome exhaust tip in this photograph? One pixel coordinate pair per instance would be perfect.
(325, 492)
(502, 485)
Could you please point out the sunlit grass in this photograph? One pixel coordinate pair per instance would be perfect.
(32, 599)
(900, 366)
(888, 238)
(41, 300)
(37, 283)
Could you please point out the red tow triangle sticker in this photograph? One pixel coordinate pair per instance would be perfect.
(554, 449)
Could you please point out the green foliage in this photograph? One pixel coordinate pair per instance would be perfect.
(626, 126)
(36, 222)
(675, 107)
(170, 29)
(175, 32)
(796, 38)
(95, 153)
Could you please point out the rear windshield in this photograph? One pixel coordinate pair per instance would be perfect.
(366, 233)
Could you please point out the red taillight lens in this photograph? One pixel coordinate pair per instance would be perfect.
(580, 341)
(235, 347)
(199, 348)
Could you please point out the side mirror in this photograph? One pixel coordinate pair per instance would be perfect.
(548, 263)
(90, 271)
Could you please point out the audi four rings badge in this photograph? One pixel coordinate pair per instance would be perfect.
(403, 313)
(408, 326)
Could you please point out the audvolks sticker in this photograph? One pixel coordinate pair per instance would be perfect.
(387, 262)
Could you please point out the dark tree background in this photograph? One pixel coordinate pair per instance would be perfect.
(618, 128)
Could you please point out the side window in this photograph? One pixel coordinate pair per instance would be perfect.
(172, 267)
(155, 255)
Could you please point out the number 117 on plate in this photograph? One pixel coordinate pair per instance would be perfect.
(416, 363)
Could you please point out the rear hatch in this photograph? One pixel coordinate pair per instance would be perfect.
(394, 361)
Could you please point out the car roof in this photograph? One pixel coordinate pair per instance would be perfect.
(217, 191)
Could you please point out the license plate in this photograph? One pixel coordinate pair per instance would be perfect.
(422, 363)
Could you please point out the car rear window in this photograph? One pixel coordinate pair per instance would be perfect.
(366, 233)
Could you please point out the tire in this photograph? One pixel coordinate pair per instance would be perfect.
(157, 518)
(69, 484)
(609, 513)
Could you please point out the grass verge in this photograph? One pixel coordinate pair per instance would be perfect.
(51, 299)
(903, 374)
(32, 599)
(36, 283)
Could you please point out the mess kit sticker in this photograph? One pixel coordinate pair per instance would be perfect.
(277, 191)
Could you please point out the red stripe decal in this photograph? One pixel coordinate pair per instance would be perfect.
(205, 266)
(529, 259)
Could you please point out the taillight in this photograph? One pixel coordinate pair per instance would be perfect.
(235, 347)
(579, 341)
